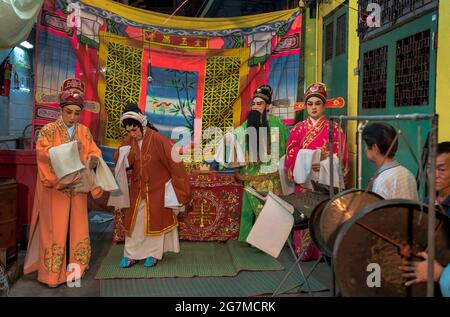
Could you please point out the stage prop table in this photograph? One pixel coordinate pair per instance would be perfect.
(216, 209)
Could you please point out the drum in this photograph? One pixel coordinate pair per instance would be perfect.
(377, 239)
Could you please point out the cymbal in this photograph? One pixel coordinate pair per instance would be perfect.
(305, 202)
(381, 235)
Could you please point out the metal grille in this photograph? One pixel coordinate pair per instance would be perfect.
(392, 11)
(374, 78)
(341, 35)
(329, 30)
(412, 70)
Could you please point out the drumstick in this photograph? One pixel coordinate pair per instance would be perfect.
(405, 249)
(382, 236)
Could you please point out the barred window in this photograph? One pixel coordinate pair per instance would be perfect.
(412, 70)
(329, 30)
(392, 12)
(374, 78)
(341, 35)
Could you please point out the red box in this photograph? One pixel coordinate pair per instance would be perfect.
(21, 165)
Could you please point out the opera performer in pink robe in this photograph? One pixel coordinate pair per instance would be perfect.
(312, 134)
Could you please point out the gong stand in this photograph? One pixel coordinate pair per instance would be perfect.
(432, 119)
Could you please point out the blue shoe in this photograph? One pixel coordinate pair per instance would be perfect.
(126, 262)
(150, 261)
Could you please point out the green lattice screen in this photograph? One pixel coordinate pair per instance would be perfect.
(123, 85)
(221, 90)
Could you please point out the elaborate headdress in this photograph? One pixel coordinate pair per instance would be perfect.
(132, 111)
(316, 90)
(264, 92)
(319, 90)
(72, 93)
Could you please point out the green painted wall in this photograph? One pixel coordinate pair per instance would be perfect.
(409, 128)
(344, 80)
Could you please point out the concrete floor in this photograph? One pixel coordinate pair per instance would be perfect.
(101, 242)
(28, 285)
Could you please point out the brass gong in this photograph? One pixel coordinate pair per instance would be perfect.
(314, 223)
(383, 234)
(338, 210)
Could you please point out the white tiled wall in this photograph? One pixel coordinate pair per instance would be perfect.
(17, 109)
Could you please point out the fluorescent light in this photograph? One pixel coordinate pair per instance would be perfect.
(26, 45)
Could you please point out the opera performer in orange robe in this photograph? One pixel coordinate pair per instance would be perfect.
(59, 232)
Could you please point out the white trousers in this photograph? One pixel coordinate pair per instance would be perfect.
(139, 246)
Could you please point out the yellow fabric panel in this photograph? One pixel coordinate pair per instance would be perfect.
(178, 22)
(119, 83)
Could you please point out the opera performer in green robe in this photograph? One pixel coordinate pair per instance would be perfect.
(254, 149)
